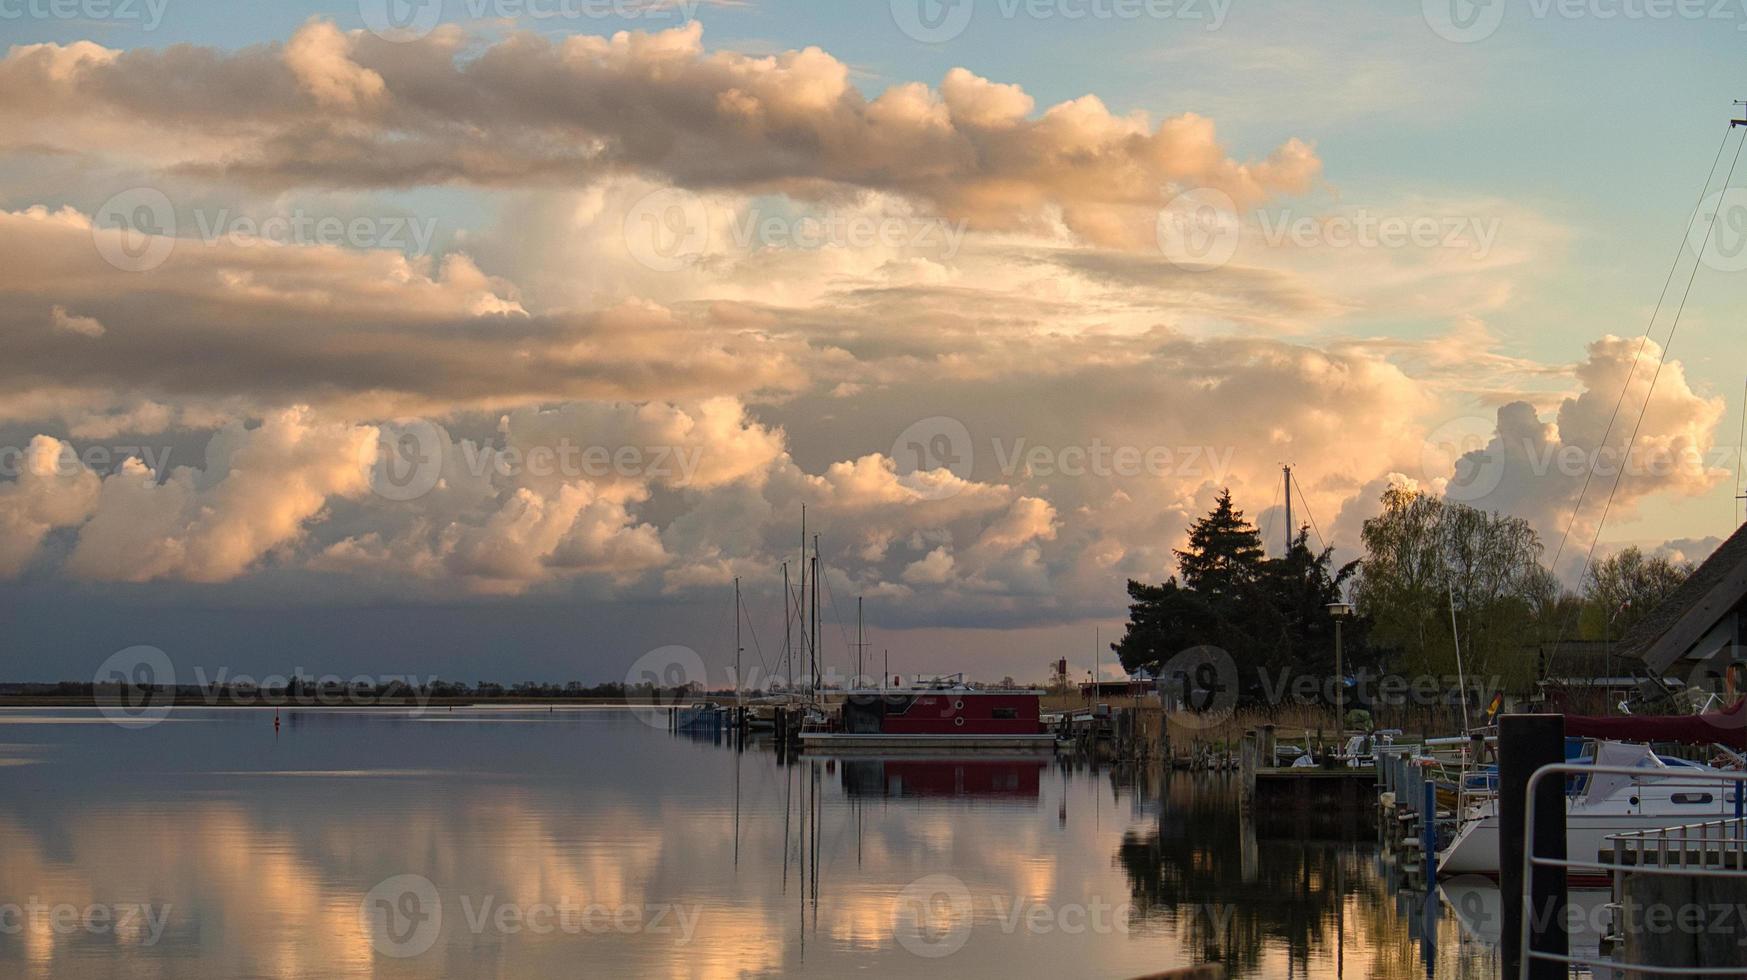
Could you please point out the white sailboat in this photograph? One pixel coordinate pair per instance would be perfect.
(1669, 792)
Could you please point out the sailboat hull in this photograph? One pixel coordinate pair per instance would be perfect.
(1475, 849)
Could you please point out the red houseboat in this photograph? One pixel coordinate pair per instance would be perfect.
(953, 717)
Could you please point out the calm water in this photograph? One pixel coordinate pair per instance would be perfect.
(488, 843)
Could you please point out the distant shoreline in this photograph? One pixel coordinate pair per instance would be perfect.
(195, 701)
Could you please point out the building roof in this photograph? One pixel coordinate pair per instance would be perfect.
(1713, 589)
(1578, 658)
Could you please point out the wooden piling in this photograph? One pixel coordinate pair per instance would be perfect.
(1525, 744)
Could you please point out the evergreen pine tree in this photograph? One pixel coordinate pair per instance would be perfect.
(1224, 555)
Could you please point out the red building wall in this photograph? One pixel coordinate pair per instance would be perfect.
(964, 713)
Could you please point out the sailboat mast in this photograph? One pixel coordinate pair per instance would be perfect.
(1290, 530)
(801, 610)
(1097, 664)
(788, 635)
(815, 611)
(737, 647)
(860, 644)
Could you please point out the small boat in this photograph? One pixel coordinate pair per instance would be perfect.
(761, 712)
(954, 717)
(700, 715)
(1360, 752)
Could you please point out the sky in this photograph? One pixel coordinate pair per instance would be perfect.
(495, 339)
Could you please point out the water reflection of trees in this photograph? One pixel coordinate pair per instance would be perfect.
(1201, 873)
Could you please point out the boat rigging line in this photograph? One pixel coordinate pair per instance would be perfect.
(1740, 449)
(1268, 517)
(1644, 341)
(1320, 542)
(832, 596)
(1667, 344)
(756, 646)
(1619, 471)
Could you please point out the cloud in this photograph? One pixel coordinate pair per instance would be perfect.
(771, 377)
(1538, 468)
(320, 57)
(935, 568)
(578, 528)
(84, 326)
(366, 332)
(340, 109)
(52, 489)
(1688, 550)
(553, 495)
(700, 403)
(257, 492)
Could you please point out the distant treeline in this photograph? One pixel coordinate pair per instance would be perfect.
(1433, 571)
(304, 691)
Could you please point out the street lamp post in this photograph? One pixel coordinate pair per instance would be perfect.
(1340, 611)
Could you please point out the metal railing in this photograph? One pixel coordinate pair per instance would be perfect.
(1635, 842)
(1678, 846)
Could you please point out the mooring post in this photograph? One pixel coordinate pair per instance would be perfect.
(1525, 744)
(1247, 763)
(1428, 831)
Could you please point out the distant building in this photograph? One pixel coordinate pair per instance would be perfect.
(1586, 676)
(1132, 686)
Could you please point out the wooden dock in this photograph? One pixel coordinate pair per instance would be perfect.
(1287, 795)
(1345, 791)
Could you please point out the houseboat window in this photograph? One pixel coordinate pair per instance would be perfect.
(1693, 798)
(1004, 713)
